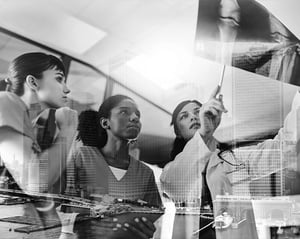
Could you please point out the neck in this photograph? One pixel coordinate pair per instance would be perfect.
(116, 149)
(31, 101)
(28, 98)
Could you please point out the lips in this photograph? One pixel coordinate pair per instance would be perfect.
(195, 125)
(133, 126)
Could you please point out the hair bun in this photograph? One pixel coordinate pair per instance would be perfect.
(5, 84)
(7, 81)
(88, 128)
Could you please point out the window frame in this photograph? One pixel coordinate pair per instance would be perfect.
(67, 59)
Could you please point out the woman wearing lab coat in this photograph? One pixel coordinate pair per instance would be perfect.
(198, 162)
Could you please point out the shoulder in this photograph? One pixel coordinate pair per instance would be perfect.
(140, 166)
(85, 153)
(14, 114)
(8, 99)
(85, 150)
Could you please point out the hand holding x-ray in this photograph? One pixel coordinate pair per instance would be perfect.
(211, 111)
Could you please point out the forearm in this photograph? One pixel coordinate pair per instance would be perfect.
(17, 155)
(66, 136)
(271, 155)
(56, 156)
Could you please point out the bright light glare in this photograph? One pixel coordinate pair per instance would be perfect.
(164, 68)
(49, 25)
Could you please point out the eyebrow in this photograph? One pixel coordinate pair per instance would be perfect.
(126, 107)
(60, 73)
(184, 112)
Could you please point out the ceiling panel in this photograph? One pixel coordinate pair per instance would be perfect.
(104, 14)
(70, 6)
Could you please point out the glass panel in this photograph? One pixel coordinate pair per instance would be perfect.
(87, 87)
(11, 47)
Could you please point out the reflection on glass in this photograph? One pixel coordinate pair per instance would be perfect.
(246, 35)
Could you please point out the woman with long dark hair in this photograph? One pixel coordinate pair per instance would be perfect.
(201, 169)
(192, 122)
(104, 164)
(183, 179)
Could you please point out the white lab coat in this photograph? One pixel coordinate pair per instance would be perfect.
(181, 179)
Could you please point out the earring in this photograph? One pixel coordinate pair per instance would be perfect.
(104, 124)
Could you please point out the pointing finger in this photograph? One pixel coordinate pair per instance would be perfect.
(215, 92)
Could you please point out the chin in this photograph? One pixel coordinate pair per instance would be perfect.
(48, 104)
(59, 104)
(133, 132)
(193, 132)
(132, 136)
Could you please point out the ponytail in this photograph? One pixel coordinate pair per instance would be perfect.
(178, 146)
(89, 130)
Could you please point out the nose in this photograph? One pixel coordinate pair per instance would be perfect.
(134, 117)
(66, 90)
(194, 116)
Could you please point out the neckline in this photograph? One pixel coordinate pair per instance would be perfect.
(107, 165)
(115, 172)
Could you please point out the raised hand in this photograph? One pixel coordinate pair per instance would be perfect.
(210, 114)
(66, 118)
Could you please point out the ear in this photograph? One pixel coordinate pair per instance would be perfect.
(32, 82)
(104, 122)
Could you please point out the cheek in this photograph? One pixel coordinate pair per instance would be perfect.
(49, 93)
(118, 124)
(53, 85)
(123, 122)
(46, 88)
(56, 88)
(182, 128)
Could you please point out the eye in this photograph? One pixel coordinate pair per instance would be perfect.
(197, 111)
(59, 79)
(123, 112)
(183, 116)
(138, 113)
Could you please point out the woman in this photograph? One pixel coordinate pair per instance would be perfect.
(36, 81)
(201, 171)
(104, 164)
(183, 179)
(193, 123)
